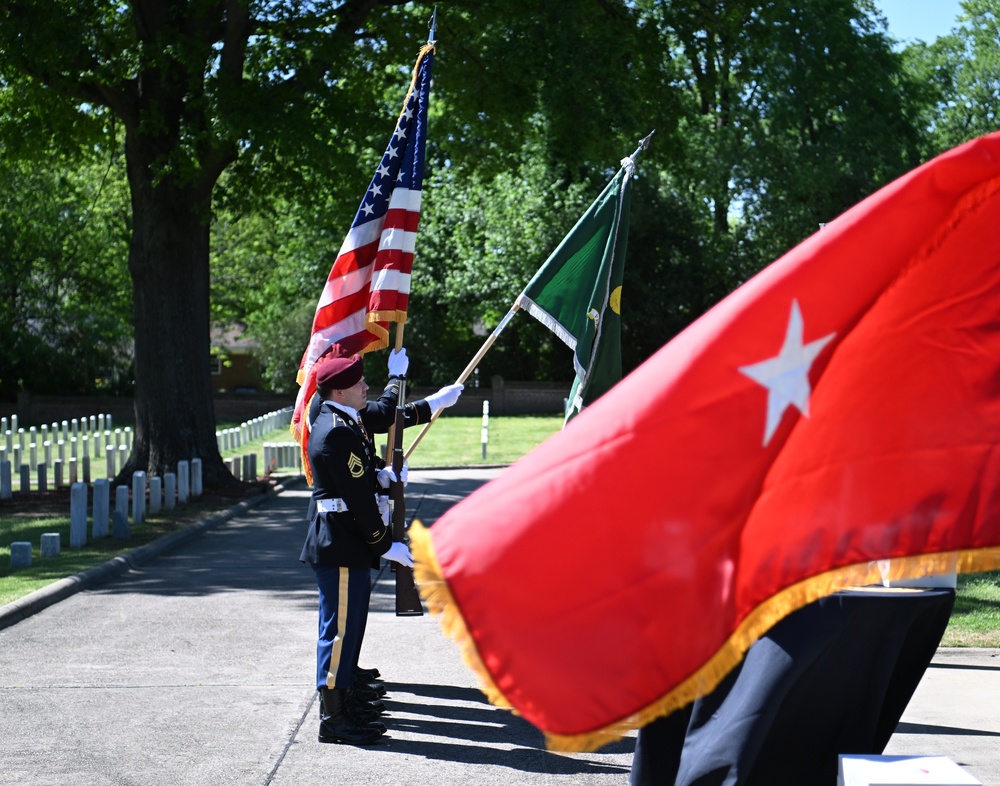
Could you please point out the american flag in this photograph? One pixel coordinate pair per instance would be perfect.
(369, 284)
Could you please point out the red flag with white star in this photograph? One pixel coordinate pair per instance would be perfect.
(842, 407)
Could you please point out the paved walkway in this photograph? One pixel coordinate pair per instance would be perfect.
(195, 668)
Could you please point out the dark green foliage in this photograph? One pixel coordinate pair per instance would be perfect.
(65, 309)
(770, 119)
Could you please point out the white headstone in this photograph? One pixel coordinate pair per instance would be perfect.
(51, 544)
(6, 484)
(78, 516)
(183, 482)
(196, 481)
(20, 554)
(121, 500)
(138, 497)
(102, 507)
(155, 495)
(169, 490)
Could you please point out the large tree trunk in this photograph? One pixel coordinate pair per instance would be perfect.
(169, 265)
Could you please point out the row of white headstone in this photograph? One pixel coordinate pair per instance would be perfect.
(174, 488)
(76, 438)
(66, 449)
(282, 454)
(64, 472)
(250, 430)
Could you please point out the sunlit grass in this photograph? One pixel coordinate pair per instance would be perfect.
(975, 621)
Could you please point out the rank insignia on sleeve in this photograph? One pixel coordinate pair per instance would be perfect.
(355, 466)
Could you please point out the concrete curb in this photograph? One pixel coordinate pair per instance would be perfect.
(42, 598)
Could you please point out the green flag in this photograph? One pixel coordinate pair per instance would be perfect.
(577, 292)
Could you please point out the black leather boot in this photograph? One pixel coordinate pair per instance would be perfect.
(367, 675)
(360, 693)
(362, 711)
(376, 685)
(336, 723)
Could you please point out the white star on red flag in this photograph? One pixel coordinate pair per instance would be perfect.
(786, 376)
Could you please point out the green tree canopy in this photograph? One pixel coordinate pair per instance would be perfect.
(250, 129)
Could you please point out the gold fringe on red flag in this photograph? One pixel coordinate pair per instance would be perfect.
(437, 595)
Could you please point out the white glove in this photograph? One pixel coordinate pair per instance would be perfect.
(399, 552)
(386, 475)
(383, 509)
(445, 397)
(398, 363)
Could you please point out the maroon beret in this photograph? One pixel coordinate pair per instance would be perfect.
(340, 373)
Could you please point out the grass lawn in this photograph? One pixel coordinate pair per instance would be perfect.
(457, 441)
(451, 441)
(975, 620)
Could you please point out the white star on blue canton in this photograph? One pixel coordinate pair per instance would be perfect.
(367, 209)
(376, 190)
(383, 171)
(786, 376)
(408, 113)
(391, 152)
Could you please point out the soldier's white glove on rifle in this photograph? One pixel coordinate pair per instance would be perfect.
(398, 363)
(445, 397)
(383, 509)
(386, 475)
(399, 552)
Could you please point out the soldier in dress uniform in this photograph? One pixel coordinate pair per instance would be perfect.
(348, 529)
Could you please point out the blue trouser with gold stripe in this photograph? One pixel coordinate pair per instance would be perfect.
(344, 595)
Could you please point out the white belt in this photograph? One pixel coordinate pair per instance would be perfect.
(336, 505)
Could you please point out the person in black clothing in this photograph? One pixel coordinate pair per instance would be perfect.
(348, 529)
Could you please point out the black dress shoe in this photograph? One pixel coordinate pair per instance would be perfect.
(375, 685)
(364, 716)
(365, 692)
(336, 723)
(367, 675)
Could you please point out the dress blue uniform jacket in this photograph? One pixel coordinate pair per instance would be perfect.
(344, 463)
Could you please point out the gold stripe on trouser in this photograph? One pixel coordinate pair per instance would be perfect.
(331, 675)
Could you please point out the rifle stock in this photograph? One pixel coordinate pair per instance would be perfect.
(407, 597)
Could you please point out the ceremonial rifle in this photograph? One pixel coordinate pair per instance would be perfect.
(407, 597)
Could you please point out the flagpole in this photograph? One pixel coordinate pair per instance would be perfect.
(468, 370)
(390, 437)
(643, 144)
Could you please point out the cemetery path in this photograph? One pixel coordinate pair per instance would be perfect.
(196, 668)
